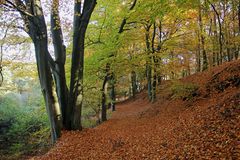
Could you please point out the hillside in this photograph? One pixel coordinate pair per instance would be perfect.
(205, 126)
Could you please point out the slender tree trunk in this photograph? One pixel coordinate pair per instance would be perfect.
(238, 49)
(226, 34)
(204, 54)
(198, 54)
(149, 62)
(239, 16)
(112, 91)
(235, 30)
(60, 58)
(220, 38)
(154, 83)
(133, 83)
(158, 58)
(113, 97)
(104, 107)
(211, 54)
(218, 56)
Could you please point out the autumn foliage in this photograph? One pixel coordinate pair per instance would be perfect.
(204, 127)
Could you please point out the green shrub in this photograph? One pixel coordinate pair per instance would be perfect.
(185, 91)
(26, 126)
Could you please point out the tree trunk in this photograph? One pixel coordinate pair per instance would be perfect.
(154, 84)
(238, 49)
(239, 17)
(153, 58)
(112, 91)
(46, 83)
(60, 58)
(198, 54)
(104, 108)
(133, 84)
(81, 20)
(37, 30)
(202, 39)
(113, 97)
(220, 38)
(149, 62)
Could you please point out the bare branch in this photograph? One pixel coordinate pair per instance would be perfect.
(20, 7)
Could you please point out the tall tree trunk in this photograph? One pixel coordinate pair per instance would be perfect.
(239, 16)
(133, 83)
(60, 58)
(112, 91)
(211, 57)
(104, 108)
(113, 97)
(204, 54)
(198, 54)
(149, 62)
(154, 84)
(220, 38)
(218, 57)
(154, 59)
(238, 49)
(47, 88)
(158, 59)
(81, 20)
(37, 30)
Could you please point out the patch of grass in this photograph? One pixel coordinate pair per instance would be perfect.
(185, 91)
(89, 123)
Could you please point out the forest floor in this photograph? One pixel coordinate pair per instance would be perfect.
(207, 126)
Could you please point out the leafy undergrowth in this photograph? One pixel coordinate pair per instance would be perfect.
(203, 127)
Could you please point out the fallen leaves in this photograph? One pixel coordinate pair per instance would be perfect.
(208, 128)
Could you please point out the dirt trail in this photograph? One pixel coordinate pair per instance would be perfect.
(206, 127)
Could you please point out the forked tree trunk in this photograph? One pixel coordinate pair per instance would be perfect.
(81, 20)
(37, 30)
(47, 88)
(33, 17)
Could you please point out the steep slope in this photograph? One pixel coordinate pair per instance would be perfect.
(207, 126)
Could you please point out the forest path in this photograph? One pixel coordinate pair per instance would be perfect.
(205, 127)
(129, 134)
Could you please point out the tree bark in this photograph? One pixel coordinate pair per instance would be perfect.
(149, 61)
(154, 83)
(104, 108)
(113, 97)
(133, 83)
(46, 83)
(60, 58)
(239, 16)
(37, 30)
(220, 33)
(202, 39)
(112, 91)
(81, 20)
